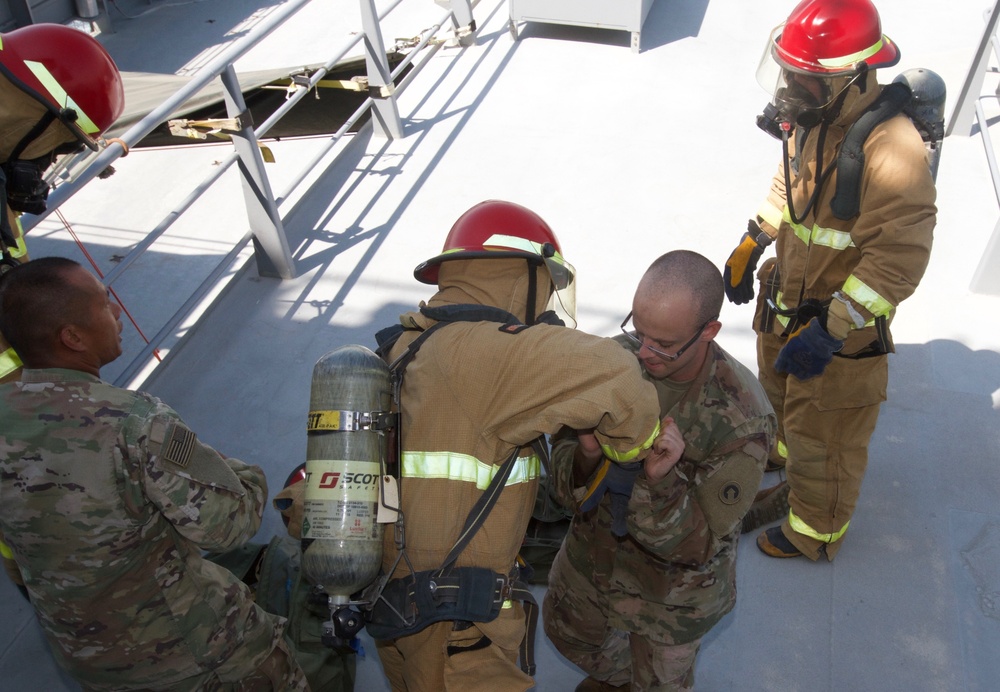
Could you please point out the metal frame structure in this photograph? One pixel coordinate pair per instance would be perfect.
(266, 229)
(986, 278)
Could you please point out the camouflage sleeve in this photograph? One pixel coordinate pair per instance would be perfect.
(682, 517)
(564, 444)
(214, 502)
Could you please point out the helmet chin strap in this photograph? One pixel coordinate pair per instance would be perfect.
(34, 133)
(529, 313)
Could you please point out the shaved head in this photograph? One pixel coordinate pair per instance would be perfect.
(37, 299)
(683, 271)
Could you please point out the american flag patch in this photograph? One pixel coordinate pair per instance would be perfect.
(178, 449)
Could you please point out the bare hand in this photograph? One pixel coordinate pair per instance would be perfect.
(668, 447)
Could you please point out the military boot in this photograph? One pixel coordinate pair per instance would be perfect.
(769, 505)
(773, 543)
(591, 685)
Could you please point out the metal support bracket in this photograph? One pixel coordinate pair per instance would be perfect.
(274, 259)
(385, 113)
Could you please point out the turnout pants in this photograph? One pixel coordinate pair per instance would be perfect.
(826, 423)
(440, 658)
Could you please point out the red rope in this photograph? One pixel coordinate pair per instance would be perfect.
(65, 222)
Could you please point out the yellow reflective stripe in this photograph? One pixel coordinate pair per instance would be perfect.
(831, 238)
(463, 467)
(845, 60)
(9, 362)
(57, 92)
(518, 243)
(782, 450)
(632, 453)
(508, 604)
(20, 249)
(769, 213)
(863, 294)
(785, 320)
(801, 232)
(5, 552)
(800, 526)
(824, 237)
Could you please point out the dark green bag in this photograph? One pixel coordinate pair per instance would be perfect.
(281, 590)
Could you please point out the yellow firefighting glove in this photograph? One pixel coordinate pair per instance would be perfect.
(740, 266)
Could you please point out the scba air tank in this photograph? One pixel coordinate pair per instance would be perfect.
(341, 541)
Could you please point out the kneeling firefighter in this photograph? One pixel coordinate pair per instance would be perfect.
(482, 371)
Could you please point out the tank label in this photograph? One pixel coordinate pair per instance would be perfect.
(340, 499)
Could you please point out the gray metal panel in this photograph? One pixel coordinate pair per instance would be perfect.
(15, 13)
(7, 22)
(58, 11)
(607, 14)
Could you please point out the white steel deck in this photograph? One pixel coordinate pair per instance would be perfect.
(627, 156)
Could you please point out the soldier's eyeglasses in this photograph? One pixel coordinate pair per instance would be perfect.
(640, 340)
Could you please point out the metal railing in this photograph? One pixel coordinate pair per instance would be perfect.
(968, 111)
(266, 228)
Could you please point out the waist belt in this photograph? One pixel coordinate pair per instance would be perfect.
(408, 605)
(404, 606)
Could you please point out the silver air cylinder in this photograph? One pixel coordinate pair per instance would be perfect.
(341, 541)
(929, 94)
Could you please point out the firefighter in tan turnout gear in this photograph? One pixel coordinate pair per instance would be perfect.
(853, 236)
(496, 374)
(59, 90)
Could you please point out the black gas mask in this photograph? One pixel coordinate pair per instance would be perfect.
(802, 100)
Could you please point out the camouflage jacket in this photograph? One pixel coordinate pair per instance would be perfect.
(107, 500)
(674, 575)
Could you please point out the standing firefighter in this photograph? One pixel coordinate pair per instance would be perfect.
(59, 90)
(852, 211)
(486, 384)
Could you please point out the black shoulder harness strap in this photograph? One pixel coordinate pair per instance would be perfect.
(851, 158)
(386, 338)
(461, 594)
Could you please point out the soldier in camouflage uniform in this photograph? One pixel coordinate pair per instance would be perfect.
(107, 500)
(631, 609)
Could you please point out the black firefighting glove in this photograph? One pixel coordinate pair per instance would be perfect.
(616, 479)
(741, 264)
(808, 351)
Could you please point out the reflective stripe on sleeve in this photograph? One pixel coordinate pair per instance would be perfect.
(19, 249)
(9, 362)
(803, 528)
(462, 467)
(631, 454)
(770, 214)
(5, 552)
(863, 294)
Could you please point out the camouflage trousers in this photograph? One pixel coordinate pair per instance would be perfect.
(279, 672)
(576, 622)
